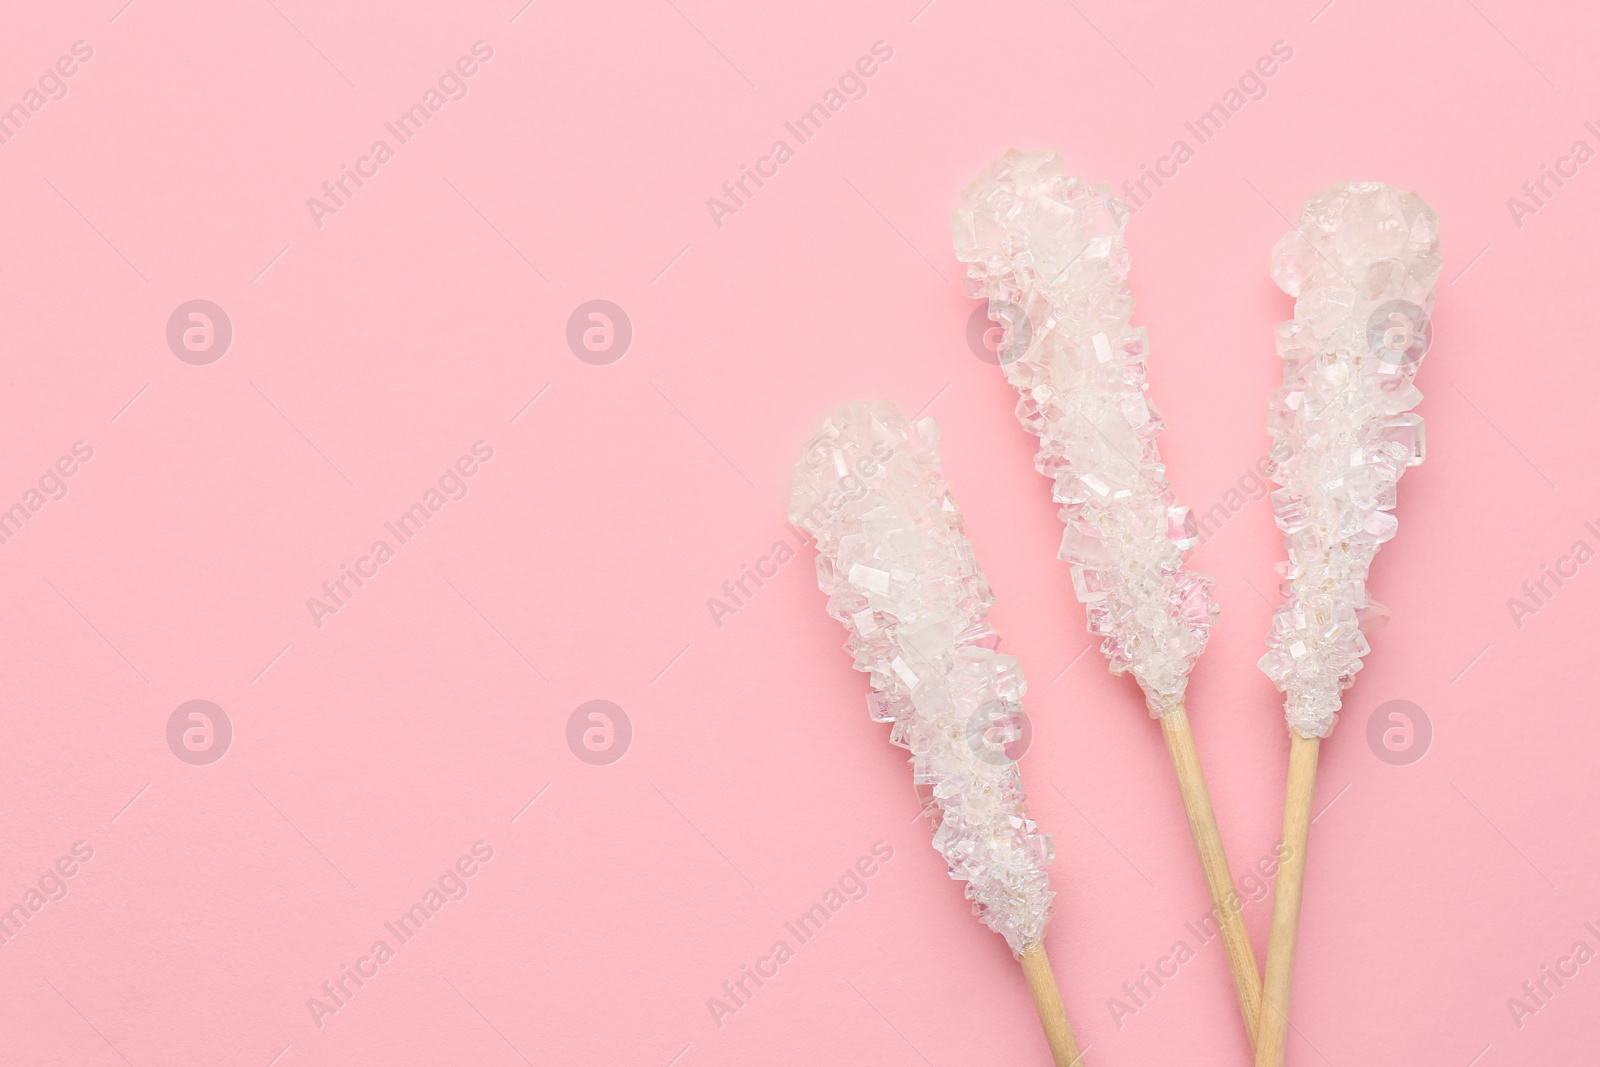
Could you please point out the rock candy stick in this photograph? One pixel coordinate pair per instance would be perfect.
(1046, 250)
(1362, 267)
(901, 576)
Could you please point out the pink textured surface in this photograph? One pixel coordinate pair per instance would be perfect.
(370, 753)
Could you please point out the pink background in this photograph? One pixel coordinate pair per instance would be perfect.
(368, 354)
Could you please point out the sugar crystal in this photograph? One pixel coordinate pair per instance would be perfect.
(891, 550)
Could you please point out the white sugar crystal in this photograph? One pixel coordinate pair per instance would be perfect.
(902, 577)
(1363, 265)
(1046, 250)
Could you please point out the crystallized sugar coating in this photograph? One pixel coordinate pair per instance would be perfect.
(900, 574)
(1362, 267)
(1046, 250)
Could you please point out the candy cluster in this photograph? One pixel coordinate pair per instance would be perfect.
(900, 574)
(1362, 266)
(1046, 250)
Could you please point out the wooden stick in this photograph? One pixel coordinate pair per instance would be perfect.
(1047, 1002)
(1214, 863)
(1274, 1035)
